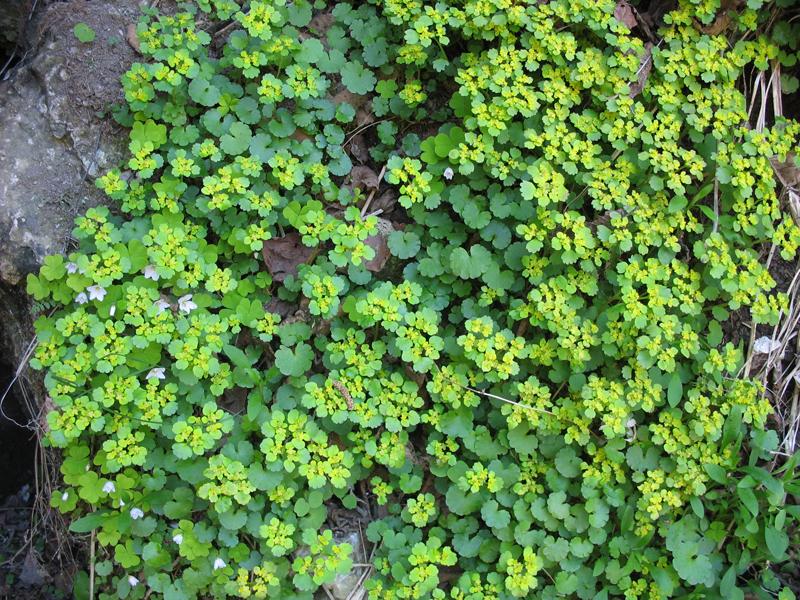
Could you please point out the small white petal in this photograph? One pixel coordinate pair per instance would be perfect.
(219, 564)
(448, 173)
(113, 310)
(765, 345)
(150, 273)
(178, 538)
(161, 305)
(121, 503)
(71, 268)
(631, 423)
(133, 581)
(185, 304)
(109, 487)
(156, 373)
(81, 298)
(64, 497)
(136, 513)
(96, 292)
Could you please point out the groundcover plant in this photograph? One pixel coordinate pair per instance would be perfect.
(459, 270)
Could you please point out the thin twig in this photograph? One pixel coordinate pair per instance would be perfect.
(372, 193)
(91, 567)
(358, 588)
(519, 404)
(756, 84)
(364, 128)
(716, 206)
(20, 368)
(777, 90)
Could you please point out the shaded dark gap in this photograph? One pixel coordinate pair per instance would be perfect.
(17, 442)
(17, 30)
(9, 58)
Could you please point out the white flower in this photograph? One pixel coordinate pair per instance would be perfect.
(71, 268)
(765, 345)
(113, 310)
(448, 173)
(133, 581)
(150, 273)
(136, 513)
(161, 304)
(81, 298)
(109, 487)
(631, 425)
(156, 373)
(64, 497)
(185, 304)
(219, 564)
(96, 292)
(178, 538)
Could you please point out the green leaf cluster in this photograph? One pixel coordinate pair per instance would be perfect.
(519, 371)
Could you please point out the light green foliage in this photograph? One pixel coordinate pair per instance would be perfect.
(536, 387)
(84, 33)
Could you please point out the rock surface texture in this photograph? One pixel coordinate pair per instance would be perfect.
(348, 586)
(56, 135)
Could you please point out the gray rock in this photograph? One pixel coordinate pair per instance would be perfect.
(56, 136)
(348, 585)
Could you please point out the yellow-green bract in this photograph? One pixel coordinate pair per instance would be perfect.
(534, 397)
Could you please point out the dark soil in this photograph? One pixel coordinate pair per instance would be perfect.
(23, 576)
(17, 442)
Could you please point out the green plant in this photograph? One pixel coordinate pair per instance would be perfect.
(536, 385)
(84, 33)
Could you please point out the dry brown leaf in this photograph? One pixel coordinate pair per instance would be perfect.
(624, 14)
(301, 315)
(301, 136)
(385, 202)
(354, 100)
(48, 406)
(279, 307)
(364, 116)
(723, 20)
(719, 25)
(787, 171)
(320, 23)
(132, 37)
(363, 178)
(233, 400)
(359, 148)
(794, 205)
(379, 243)
(645, 66)
(284, 255)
